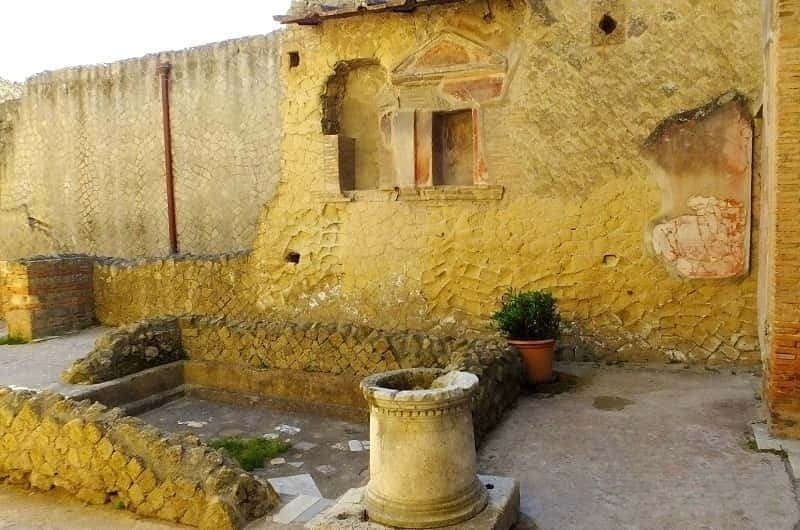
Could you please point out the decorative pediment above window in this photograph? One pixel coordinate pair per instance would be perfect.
(449, 56)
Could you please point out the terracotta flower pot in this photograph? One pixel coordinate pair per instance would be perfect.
(537, 356)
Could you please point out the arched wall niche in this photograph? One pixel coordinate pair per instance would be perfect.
(353, 103)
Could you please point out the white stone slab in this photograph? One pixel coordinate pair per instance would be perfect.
(318, 507)
(296, 485)
(764, 440)
(294, 509)
(304, 446)
(355, 446)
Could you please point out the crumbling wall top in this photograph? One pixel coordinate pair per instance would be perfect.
(311, 12)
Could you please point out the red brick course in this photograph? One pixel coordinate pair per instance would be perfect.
(782, 355)
(49, 296)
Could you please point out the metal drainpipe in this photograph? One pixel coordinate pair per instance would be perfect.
(163, 74)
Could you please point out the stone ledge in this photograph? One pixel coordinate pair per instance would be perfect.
(501, 513)
(434, 193)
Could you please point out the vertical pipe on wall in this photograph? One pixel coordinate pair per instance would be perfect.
(163, 74)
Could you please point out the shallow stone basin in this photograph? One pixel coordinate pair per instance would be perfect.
(422, 459)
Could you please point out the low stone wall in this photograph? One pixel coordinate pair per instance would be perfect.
(101, 456)
(499, 371)
(302, 366)
(48, 295)
(128, 350)
(127, 291)
(312, 347)
(350, 352)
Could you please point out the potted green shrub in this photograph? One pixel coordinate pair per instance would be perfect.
(531, 323)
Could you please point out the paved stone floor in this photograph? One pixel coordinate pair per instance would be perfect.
(630, 448)
(38, 365)
(330, 450)
(646, 449)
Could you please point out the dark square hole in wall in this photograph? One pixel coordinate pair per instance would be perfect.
(294, 59)
(607, 24)
(453, 157)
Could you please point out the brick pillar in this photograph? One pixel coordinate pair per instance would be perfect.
(48, 296)
(780, 282)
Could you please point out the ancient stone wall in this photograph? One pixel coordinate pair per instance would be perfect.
(565, 140)
(128, 291)
(100, 456)
(336, 348)
(354, 351)
(564, 193)
(47, 296)
(308, 366)
(84, 167)
(128, 350)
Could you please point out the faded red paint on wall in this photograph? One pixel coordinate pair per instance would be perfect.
(706, 243)
(702, 160)
(477, 90)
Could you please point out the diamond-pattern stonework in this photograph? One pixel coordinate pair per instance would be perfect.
(101, 456)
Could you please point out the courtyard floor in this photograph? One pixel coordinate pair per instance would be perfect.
(643, 448)
(630, 447)
(327, 458)
(38, 365)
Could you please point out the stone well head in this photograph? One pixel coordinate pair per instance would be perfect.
(422, 449)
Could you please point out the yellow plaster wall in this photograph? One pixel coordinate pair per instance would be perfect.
(360, 119)
(82, 159)
(565, 144)
(129, 291)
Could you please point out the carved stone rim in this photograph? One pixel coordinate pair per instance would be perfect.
(438, 389)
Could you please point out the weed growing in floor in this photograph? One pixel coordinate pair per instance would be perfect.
(11, 341)
(250, 452)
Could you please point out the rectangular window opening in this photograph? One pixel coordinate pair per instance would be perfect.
(453, 148)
